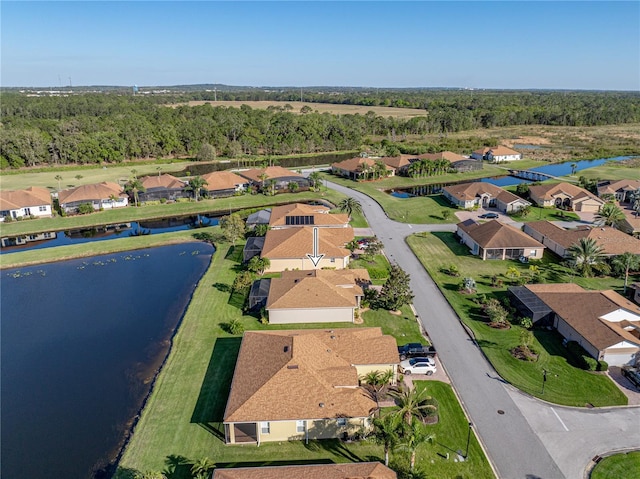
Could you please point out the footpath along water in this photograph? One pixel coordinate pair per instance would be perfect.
(81, 342)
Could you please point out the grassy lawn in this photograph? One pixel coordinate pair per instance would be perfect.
(566, 384)
(618, 466)
(378, 268)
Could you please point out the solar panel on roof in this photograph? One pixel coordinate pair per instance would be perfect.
(299, 220)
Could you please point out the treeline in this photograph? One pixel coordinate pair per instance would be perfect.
(113, 127)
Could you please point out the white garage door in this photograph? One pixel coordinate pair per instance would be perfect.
(617, 359)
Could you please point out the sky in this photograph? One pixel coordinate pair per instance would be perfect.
(478, 44)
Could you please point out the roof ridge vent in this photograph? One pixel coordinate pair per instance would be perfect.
(292, 366)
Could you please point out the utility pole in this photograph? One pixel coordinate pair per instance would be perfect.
(544, 379)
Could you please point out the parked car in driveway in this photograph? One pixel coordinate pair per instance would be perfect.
(418, 366)
(489, 216)
(416, 350)
(632, 374)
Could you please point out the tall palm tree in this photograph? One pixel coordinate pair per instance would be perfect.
(414, 403)
(574, 168)
(349, 206)
(585, 255)
(386, 431)
(263, 177)
(625, 262)
(196, 184)
(315, 179)
(377, 380)
(609, 214)
(58, 178)
(134, 187)
(412, 436)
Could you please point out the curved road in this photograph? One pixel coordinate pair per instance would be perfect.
(512, 427)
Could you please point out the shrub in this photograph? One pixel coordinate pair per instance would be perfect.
(602, 366)
(590, 363)
(234, 327)
(525, 322)
(85, 208)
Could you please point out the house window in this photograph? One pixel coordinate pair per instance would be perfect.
(342, 421)
(333, 260)
(42, 208)
(532, 252)
(265, 428)
(299, 426)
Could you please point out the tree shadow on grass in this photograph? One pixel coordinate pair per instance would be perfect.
(223, 287)
(177, 467)
(215, 387)
(452, 242)
(333, 446)
(234, 253)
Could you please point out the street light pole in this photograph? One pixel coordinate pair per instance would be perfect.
(466, 453)
(544, 379)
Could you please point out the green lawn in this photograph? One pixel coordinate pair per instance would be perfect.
(618, 466)
(566, 384)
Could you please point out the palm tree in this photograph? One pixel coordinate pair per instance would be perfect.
(112, 199)
(623, 263)
(386, 432)
(315, 179)
(376, 381)
(585, 255)
(574, 168)
(134, 187)
(350, 205)
(293, 186)
(609, 214)
(414, 403)
(196, 184)
(412, 436)
(58, 179)
(263, 177)
(202, 467)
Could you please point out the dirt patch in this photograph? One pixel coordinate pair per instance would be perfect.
(528, 140)
(524, 354)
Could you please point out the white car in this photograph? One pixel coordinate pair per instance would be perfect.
(418, 366)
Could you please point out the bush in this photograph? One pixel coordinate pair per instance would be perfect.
(590, 363)
(602, 366)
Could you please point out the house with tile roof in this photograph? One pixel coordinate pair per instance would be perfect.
(496, 154)
(402, 164)
(165, 186)
(621, 190)
(604, 323)
(304, 384)
(288, 248)
(557, 239)
(565, 195)
(316, 296)
(32, 201)
(495, 240)
(483, 195)
(356, 470)
(105, 195)
(301, 214)
(224, 183)
(280, 177)
(360, 168)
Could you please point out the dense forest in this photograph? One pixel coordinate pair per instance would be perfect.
(117, 126)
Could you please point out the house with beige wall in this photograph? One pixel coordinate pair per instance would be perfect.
(565, 195)
(495, 240)
(304, 384)
(483, 195)
(32, 201)
(105, 195)
(301, 214)
(224, 183)
(316, 296)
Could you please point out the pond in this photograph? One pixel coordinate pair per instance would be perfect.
(81, 342)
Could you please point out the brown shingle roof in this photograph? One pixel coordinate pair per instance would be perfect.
(469, 191)
(549, 191)
(357, 164)
(497, 151)
(305, 374)
(96, 191)
(273, 172)
(223, 180)
(620, 185)
(162, 181)
(298, 242)
(32, 196)
(320, 215)
(362, 470)
(316, 289)
(494, 234)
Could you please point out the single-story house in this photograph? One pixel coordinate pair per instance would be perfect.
(316, 296)
(253, 247)
(304, 384)
(495, 240)
(484, 195)
(620, 190)
(355, 470)
(496, 154)
(105, 195)
(261, 217)
(224, 183)
(559, 240)
(289, 248)
(565, 195)
(604, 323)
(157, 187)
(359, 168)
(32, 201)
(402, 164)
(301, 214)
(262, 177)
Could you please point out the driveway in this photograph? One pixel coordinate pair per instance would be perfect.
(626, 386)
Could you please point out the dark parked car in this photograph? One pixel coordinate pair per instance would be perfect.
(415, 350)
(632, 374)
(489, 215)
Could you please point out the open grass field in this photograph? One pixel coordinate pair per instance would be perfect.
(618, 466)
(566, 384)
(334, 109)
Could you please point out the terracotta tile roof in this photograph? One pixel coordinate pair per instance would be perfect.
(317, 289)
(583, 311)
(305, 374)
(273, 172)
(298, 242)
(444, 155)
(497, 151)
(469, 191)
(162, 181)
(96, 191)
(321, 216)
(362, 470)
(32, 196)
(494, 234)
(611, 187)
(612, 241)
(550, 191)
(357, 164)
(398, 161)
(223, 180)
